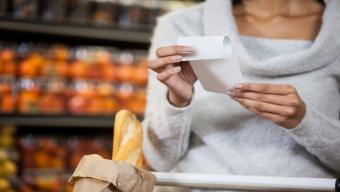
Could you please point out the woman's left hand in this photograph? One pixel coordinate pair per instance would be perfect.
(278, 103)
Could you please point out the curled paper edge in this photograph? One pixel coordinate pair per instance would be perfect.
(213, 61)
(219, 47)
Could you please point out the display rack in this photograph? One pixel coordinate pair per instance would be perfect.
(54, 141)
(69, 34)
(79, 31)
(75, 121)
(58, 121)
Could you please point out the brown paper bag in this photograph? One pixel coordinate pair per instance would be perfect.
(95, 174)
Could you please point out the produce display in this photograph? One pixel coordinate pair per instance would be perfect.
(131, 14)
(44, 163)
(48, 161)
(57, 79)
(121, 14)
(44, 79)
(8, 158)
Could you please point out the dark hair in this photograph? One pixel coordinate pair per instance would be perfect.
(236, 2)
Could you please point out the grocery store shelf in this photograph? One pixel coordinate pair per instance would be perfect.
(97, 33)
(58, 121)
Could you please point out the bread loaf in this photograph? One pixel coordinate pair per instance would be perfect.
(128, 139)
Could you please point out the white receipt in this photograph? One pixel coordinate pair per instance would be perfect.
(213, 62)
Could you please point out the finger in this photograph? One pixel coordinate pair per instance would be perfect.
(159, 63)
(174, 50)
(163, 76)
(188, 73)
(266, 88)
(254, 110)
(278, 119)
(268, 98)
(267, 107)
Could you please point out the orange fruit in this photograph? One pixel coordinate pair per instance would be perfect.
(7, 55)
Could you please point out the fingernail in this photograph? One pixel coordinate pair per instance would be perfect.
(176, 58)
(175, 70)
(188, 49)
(231, 93)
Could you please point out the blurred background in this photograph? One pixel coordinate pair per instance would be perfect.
(66, 67)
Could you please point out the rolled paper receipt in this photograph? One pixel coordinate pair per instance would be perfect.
(213, 61)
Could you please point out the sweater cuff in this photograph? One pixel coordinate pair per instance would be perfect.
(303, 126)
(177, 114)
(176, 120)
(173, 110)
(305, 132)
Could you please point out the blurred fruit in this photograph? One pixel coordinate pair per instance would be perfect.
(28, 102)
(62, 69)
(47, 144)
(93, 72)
(78, 70)
(3, 155)
(25, 188)
(53, 97)
(75, 158)
(4, 184)
(56, 69)
(37, 62)
(94, 65)
(27, 69)
(7, 103)
(28, 98)
(77, 104)
(9, 168)
(138, 103)
(6, 55)
(111, 105)
(125, 73)
(50, 103)
(60, 52)
(8, 67)
(125, 92)
(56, 156)
(105, 89)
(48, 68)
(5, 88)
(109, 72)
(69, 188)
(47, 184)
(140, 76)
(95, 105)
(6, 140)
(103, 56)
(41, 159)
(57, 163)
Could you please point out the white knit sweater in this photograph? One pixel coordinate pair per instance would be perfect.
(216, 135)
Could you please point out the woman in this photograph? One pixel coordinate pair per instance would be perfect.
(287, 126)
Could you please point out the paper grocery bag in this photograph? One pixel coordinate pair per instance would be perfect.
(95, 174)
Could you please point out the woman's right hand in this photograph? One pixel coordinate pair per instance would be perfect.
(176, 74)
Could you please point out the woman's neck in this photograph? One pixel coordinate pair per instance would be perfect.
(283, 19)
(272, 8)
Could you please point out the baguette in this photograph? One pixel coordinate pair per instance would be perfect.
(128, 139)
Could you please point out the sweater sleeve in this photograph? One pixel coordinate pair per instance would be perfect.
(166, 128)
(320, 135)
